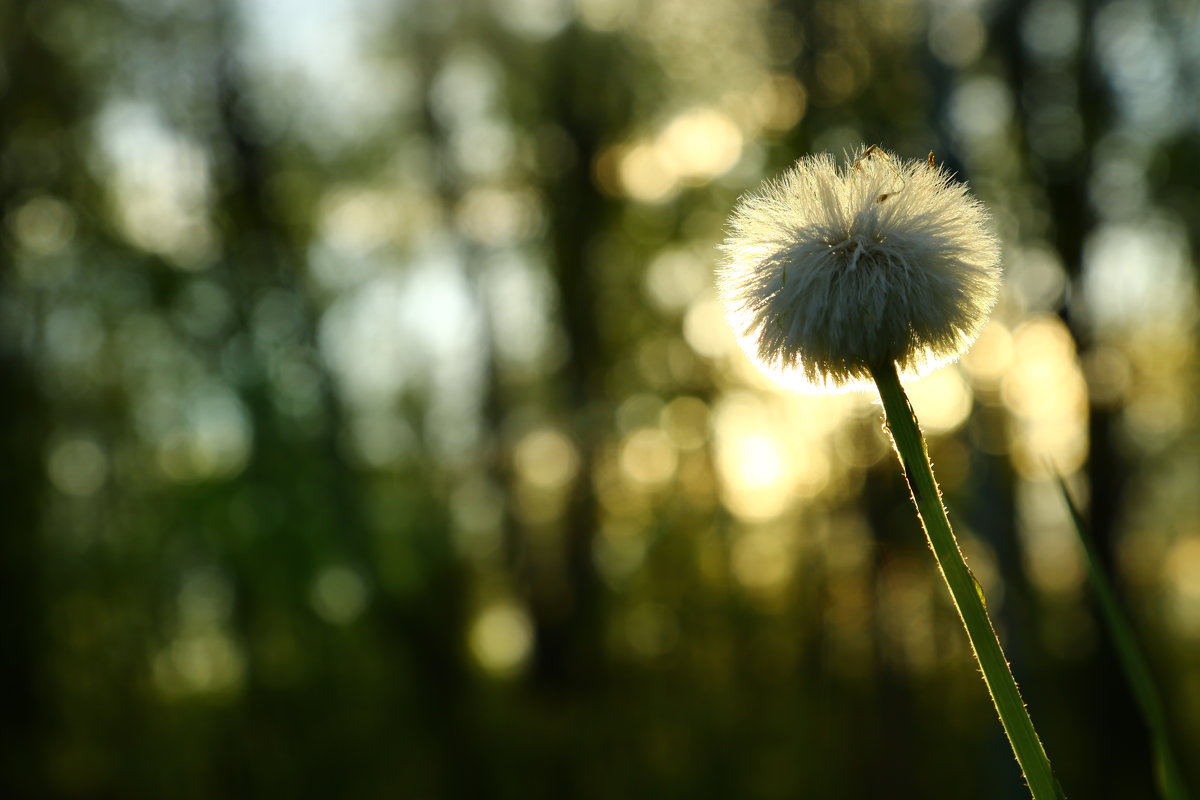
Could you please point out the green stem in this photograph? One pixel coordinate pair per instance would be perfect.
(1137, 668)
(964, 588)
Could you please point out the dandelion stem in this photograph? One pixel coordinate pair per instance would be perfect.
(964, 588)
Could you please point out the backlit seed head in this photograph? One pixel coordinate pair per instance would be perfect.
(831, 269)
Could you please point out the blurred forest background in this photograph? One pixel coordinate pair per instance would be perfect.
(370, 429)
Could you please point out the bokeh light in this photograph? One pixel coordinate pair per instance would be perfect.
(373, 427)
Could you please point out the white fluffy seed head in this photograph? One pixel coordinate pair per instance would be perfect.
(829, 271)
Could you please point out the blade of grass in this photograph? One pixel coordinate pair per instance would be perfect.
(1133, 660)
(964, 588)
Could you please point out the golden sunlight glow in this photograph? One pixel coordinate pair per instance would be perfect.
(766, 457)
(700, 144)
(1182, 573)
(546, 458)
(793, 380)
(779, 103)
(705, 330)
(501, 638)
(605, 15)
(1046, 392)
(1050, 548)
(644, 174)
(677, 276)
(199, 662)
(751, 464)
(496, 217)
(1157, 405)
(648, 456)
(358, 219)
(762, 558)
(694, 147)
(754, 373)
(756, 462)
(990, 356)
(942, 400)
(685, 421)
(201, 657)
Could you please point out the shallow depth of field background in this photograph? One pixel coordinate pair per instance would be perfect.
(370, 429)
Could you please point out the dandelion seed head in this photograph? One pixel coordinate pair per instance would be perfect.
(829, 270)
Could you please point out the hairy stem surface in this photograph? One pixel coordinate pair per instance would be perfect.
(964, 588)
